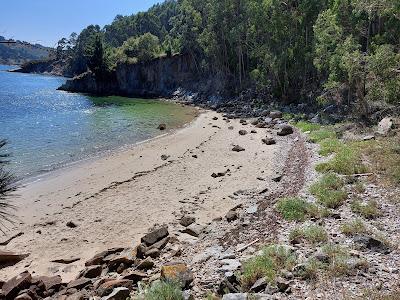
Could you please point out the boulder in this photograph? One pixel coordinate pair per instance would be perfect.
(285, 130)
(50, 282)
(162, 127)
(12, 287)
(121, 293)
(115, 262)
(269, 141)
(135, 276)
(236, 296)
(98, 259)
(259, 286)
(11, 258)
(91, 272)
(177, 271)
(155, 236)
(71, 224)
(194, 230)
(153, 253)
(164, 157)
(107, 287)
(231, 216)
(275, 114)
(371, 243)
(146, 264)
(237, 148)
(187, 220)
(79, 283)
(385, 125)
(24, 296)
(242, 132)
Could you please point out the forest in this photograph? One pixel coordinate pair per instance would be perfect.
(324, 51)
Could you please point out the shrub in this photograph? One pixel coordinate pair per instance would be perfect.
(272, 260)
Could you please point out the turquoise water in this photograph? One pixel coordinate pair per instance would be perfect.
(47, 128)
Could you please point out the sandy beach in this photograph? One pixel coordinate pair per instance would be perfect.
(115, 199)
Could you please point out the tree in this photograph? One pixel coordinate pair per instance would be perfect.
(96, 59)
(143, 48)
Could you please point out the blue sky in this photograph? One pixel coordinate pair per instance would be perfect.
(46, 21)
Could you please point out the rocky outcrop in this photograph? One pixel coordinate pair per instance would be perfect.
(48, 66)
(159, 77)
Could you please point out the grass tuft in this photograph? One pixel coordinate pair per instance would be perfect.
(347, 161)
(313, 234)
(164, 290)
(293, 209)
(368, 210)
(329, 191)
(329, 146)
(324, 133)
(338, 259)
(354, 227)
(273, 259)
(305, 126)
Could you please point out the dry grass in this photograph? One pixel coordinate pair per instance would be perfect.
(312, 234)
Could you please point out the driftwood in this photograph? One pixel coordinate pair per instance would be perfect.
(248, 245)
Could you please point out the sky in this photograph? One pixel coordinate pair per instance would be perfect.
(47, 21)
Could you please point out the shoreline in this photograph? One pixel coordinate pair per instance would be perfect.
(62, 167)
(115, 199)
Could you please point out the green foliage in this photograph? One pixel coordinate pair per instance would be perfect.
(142, 48)
(313, 234)
(329, 191)
(164, 290)
(338, 259)
(7, 187)
(273, 259)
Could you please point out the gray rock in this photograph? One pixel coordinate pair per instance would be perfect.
(92, 272)
(194, 230)
(368, 137)
(282, 284)
(237, 148)
(237, 296)
(242, 132)
(162, 127)
(230, 265)
(269, 141)
(385, 125)
(371, 243)
(155, 236)
(259, 286)
(164, 157)
(231, 216)
(121, 293)
(285, 130)
(187, 220)
(275, 114)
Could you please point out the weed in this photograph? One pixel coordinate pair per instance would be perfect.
(272, 260)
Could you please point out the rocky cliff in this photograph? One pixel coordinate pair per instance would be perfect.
(48, 66)
(159, 77)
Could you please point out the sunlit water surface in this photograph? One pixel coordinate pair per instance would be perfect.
(47, 128)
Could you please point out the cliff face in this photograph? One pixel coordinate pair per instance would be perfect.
(159, 77)
(49, 66)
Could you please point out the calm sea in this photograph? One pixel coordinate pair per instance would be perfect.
(47, 128)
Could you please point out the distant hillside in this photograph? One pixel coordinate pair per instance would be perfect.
(21, 52)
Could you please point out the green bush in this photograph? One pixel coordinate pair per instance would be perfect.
(293, 209)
